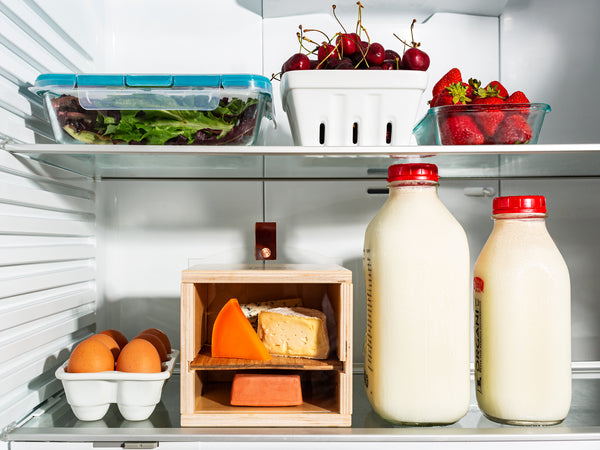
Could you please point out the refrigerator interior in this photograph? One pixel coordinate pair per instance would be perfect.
(93, 241)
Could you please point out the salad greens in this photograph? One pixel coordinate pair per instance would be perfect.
(232, 121)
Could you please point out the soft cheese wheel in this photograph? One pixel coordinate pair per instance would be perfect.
(299, 332)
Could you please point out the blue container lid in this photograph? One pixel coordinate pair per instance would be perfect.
(52, 81)
(153, 91)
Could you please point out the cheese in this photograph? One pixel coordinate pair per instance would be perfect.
(252, 310)
(296, 331)
(250, 389)
(234, 337)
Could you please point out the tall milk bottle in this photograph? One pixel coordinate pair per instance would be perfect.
(522, 318)
(417, 275)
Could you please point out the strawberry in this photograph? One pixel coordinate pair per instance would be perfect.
(453, 94)
(498, 88)
(460, 129)
(490, 117)
(489, 91)
(518, 97)
(514, 129)
(451, 77)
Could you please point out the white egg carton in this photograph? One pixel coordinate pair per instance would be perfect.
(136, 394)
(352, 107)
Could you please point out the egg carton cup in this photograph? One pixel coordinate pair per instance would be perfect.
(136, 394)
(352, 107)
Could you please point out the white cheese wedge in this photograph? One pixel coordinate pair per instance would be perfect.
(252, 310)
(299, 332)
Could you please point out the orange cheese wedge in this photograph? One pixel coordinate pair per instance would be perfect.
(234, 337)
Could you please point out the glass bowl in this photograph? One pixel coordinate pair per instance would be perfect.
(504, 124)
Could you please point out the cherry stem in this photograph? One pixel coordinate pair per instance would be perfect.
(304, 38)
(336, 18)
(359, 20)
(318, 31)
(301, 39)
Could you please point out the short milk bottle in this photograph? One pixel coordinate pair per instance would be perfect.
(417, 275)
(522, 318)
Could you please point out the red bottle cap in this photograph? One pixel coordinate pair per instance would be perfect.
(418, 171)
(520, 204)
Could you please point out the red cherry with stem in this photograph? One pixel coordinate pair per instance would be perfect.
(355, 38)
(415, 59)
(375, 54)
(298, 61)
(346, 42)
(326, 51)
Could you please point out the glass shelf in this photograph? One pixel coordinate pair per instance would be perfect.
(57, 423)
(496, 161)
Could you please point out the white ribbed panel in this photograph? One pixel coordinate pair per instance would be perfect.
(47, 278)
(31, 42)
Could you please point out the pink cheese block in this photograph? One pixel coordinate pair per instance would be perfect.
(250, 389)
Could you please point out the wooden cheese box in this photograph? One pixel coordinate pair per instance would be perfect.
(206, 381)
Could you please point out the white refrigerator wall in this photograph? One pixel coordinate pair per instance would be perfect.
(74, 250)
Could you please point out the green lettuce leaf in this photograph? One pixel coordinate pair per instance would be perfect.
(159, 126)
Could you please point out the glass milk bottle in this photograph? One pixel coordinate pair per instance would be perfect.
(417, 276)
(522, 299)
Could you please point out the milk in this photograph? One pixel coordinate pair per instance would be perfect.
(522, 324)
(416, 268)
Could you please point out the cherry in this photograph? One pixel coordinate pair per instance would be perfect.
(392, 54)
(389, 64)
(298, 61)
(326, 51)
(356, 39)
(315, 64)
(415, 59)
(344, 65)
(358, 60)
(375, 54)
(347, 43)
(334, 62)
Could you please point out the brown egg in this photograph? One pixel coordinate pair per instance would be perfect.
(109, 342)
(155, 340)
(161, 335)
(117, 336)
(90, 356)
(139, 356)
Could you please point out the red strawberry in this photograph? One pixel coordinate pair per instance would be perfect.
(514, 129)
(453, 76)
(489, 91)
(500, 90)
(453, 94)
(489, 118)
(518, 97)
(460, 129)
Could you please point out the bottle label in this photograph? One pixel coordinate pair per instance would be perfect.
(368, 349)
(477, 297)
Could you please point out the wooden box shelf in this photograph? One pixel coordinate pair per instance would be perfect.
(206, 381)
